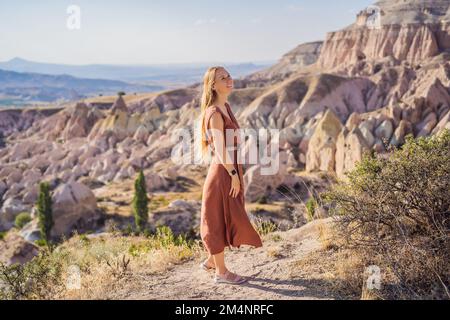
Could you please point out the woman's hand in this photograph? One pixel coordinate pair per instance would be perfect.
(235, 186)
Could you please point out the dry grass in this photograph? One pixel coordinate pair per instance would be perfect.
(274, 252)
(106, 262)
(103, 263)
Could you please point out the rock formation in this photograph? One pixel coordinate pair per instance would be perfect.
(383, 84)
(411, 31)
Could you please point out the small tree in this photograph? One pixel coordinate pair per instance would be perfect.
(44, 208)
(121, 93)
(140, 202)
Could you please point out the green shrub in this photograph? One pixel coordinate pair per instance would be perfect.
(395, 213)
(84, 239)
(41, 243)
(22, 219)
(166, 238)
(39, 278)
(311, 206)
(265, 226)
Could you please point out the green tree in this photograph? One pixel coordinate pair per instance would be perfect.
(44, 208)
(140, 202)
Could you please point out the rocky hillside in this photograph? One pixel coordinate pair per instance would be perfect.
(297, 59)
(410, 31)
(360, 90)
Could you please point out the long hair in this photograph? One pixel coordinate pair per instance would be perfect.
(208, 97)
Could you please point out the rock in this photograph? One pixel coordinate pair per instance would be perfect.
(400, 23)
(171, 173)
(40, 162)
(412, 113)
(141, 134)
(384, 130)
(180, 221)
(21, 151)
(155, 182)
(74, 208)
(10, 209)
(402, 130)
(3, 188)
(258, 183)
(6, 171)
(379, 146)
(14, 249)
(124, 173)
(368, 124)
(301, 56)
(180, 204)
(395, 113)
(322, 146)
(138, 157)
(444, 123)
(291, 135)
(31, 195)
(302, 158)
(32, 177)
(350, 146)
(57, 155)
(31, 232)
(425, 127)
(291, 162)
(14, 177)
(353, 121)
(368, 136)
(153, 137)
(118, 123)
(81, 121)
(14, 190)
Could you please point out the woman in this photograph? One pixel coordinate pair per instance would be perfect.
(224, 221)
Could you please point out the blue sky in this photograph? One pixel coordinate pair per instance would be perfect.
(169, 31)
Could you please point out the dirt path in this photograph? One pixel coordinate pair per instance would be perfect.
(270, 270)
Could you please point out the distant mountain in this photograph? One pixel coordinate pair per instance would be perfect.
(35, 87)
(168, 75)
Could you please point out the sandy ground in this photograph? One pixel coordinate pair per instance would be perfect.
(270, 269)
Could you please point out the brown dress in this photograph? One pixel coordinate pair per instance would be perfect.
(224, 221)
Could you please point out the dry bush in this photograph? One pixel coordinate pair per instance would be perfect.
(38, 279)
(394, 213)
(105, 264)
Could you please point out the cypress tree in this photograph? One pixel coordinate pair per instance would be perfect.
(140, 202)
(44, 208)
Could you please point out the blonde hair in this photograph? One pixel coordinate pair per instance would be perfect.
(208, 97)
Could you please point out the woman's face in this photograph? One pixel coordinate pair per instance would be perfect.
(223, 82)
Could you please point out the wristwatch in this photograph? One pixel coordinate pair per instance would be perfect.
(233, 172)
